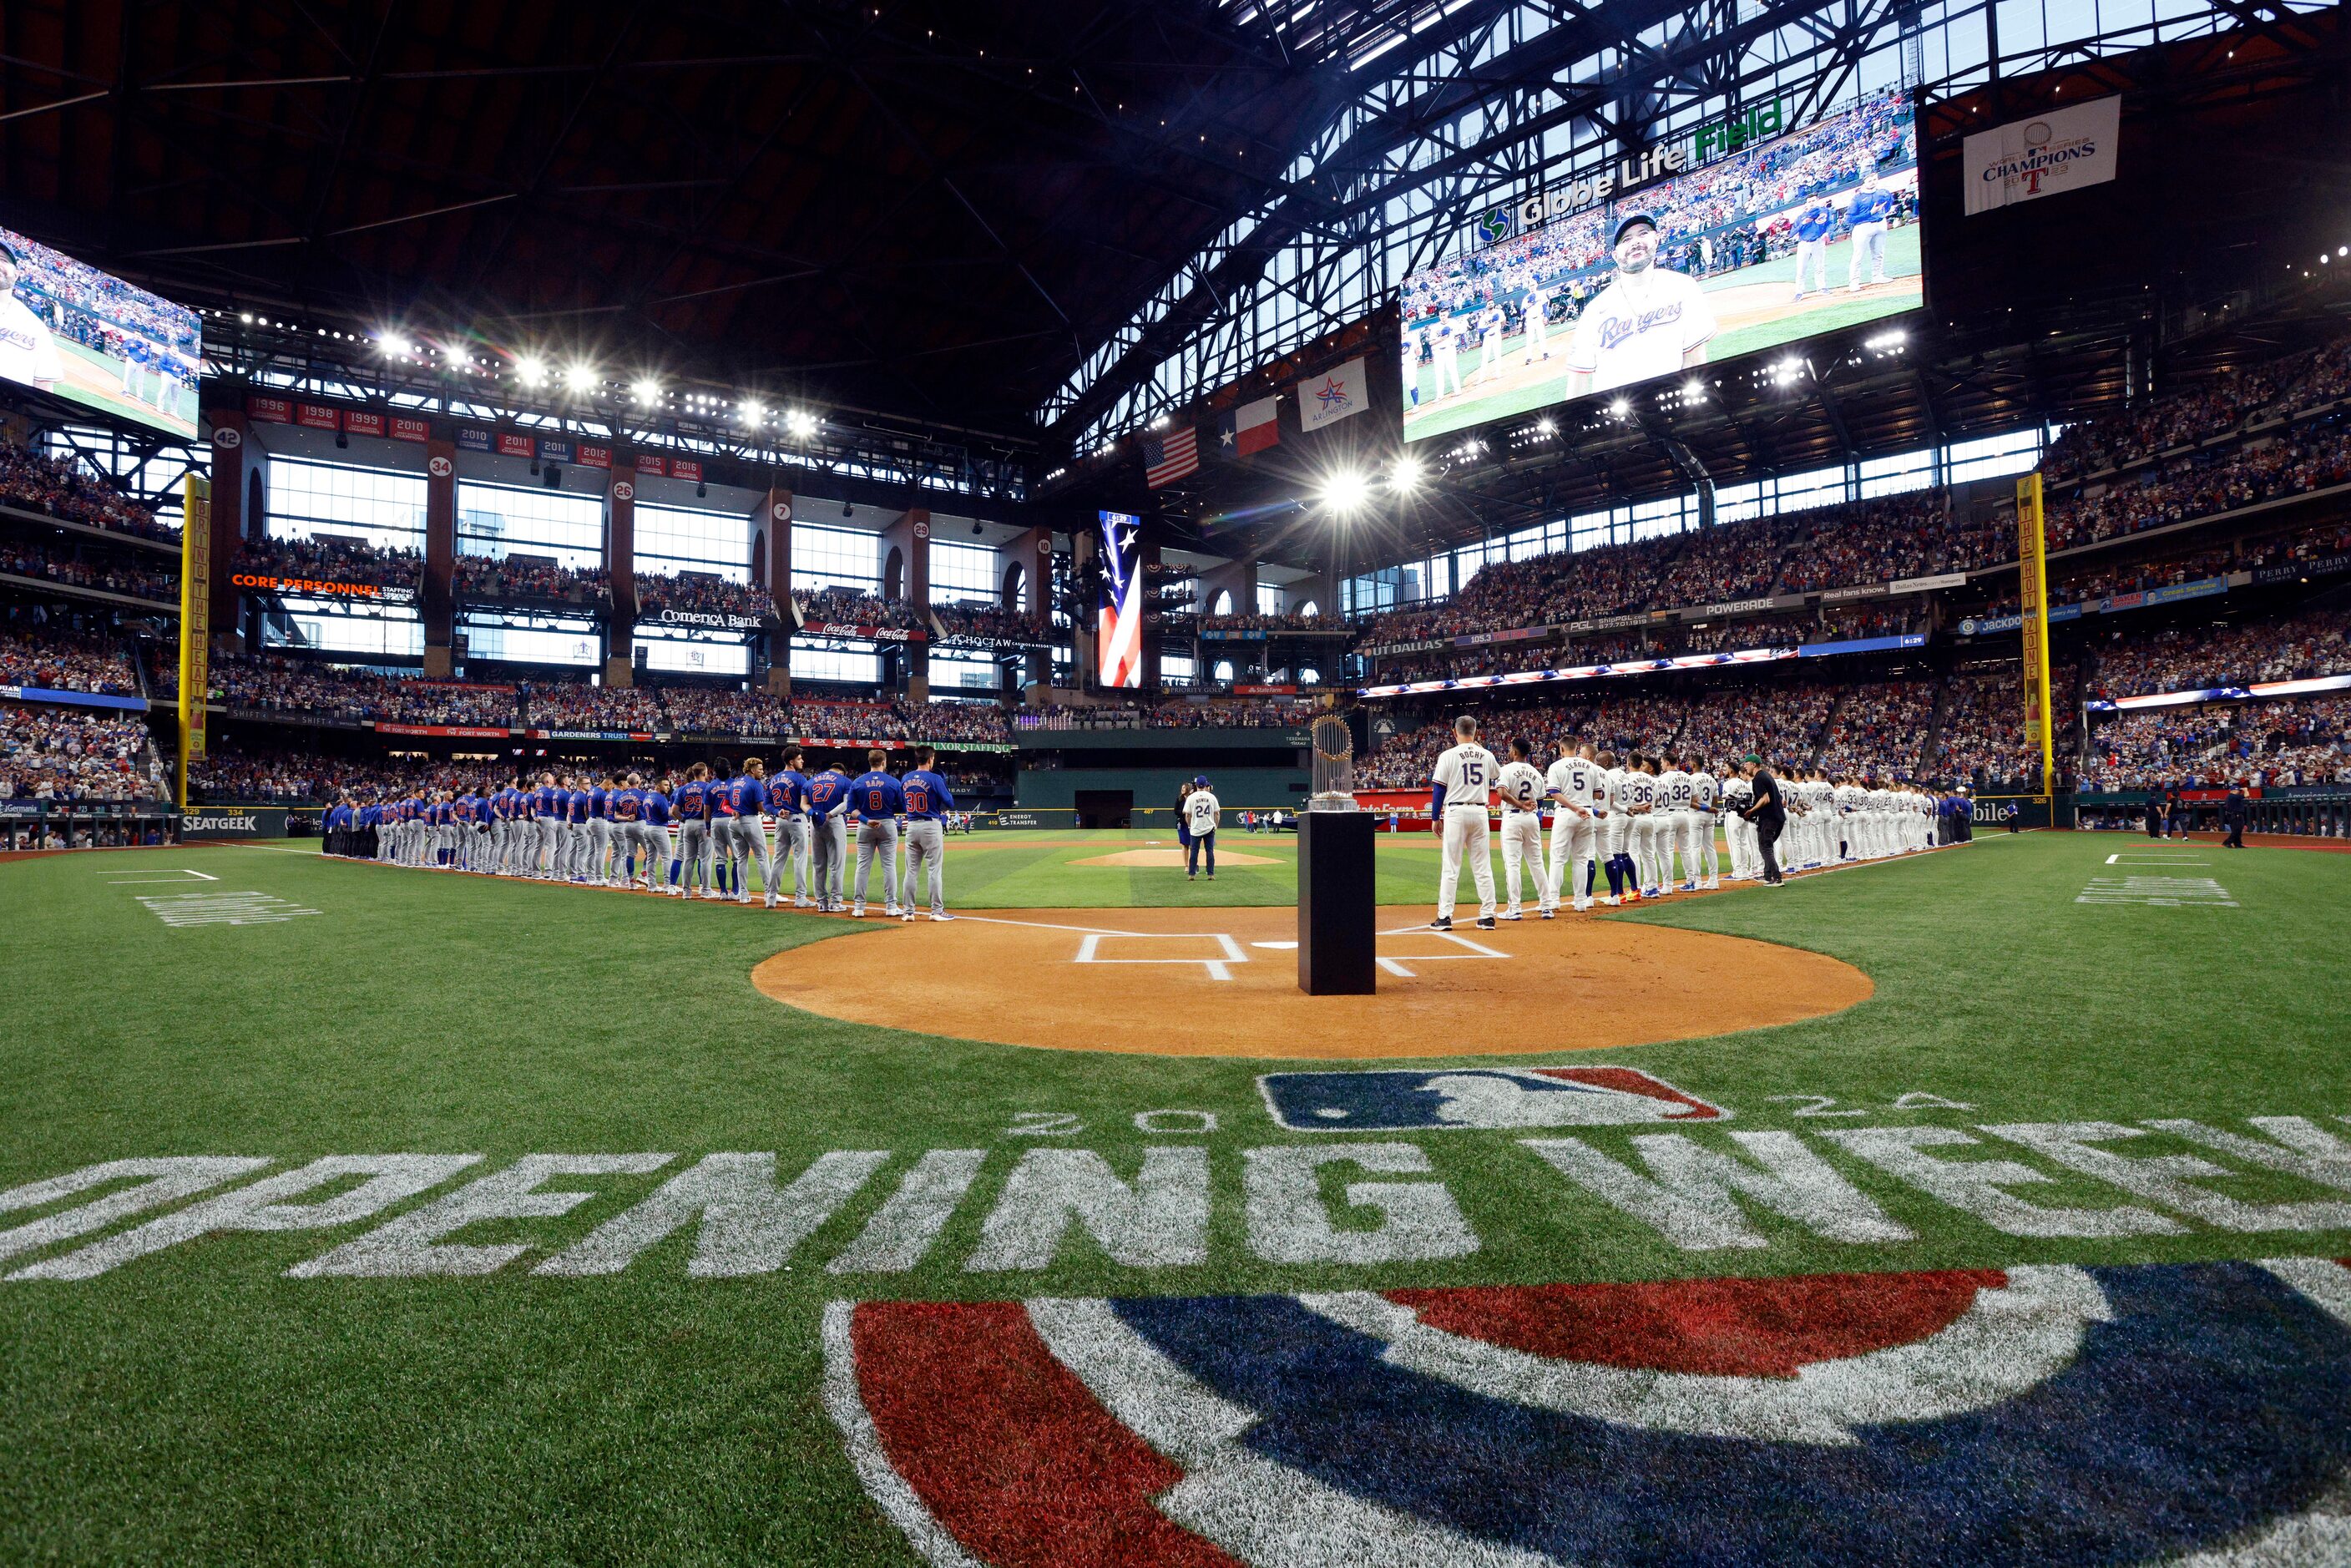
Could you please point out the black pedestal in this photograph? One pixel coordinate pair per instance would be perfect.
(1335, 915)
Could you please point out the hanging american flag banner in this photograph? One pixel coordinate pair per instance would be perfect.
(1118, 617)
(1168, 457)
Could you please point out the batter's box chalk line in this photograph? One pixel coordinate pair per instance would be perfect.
(1089, 950)
(1395, 964)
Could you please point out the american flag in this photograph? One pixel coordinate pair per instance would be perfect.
(1167, 458)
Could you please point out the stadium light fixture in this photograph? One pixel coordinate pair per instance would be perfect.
(580, 379)
(1404, 477)
(1545, 427)
(800, 422)
(1345, 491)
(392, 343)
(529, 371)
(648, 391)
(1620, 408)
(1694, 392)
(753, 414)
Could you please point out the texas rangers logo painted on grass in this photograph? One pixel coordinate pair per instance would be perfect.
(1388, 1101)
(2049, 1415)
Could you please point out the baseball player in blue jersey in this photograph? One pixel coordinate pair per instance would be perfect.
(574, 858)
(1871, 212)
(627, 807)
(790, 794)
(688, 804)
(653, 833)
(599, 831)
(828, 804)
(1813, 225)
(880, 799)
(928, 802)
(543, 815)
(504, 807)
(748, 794)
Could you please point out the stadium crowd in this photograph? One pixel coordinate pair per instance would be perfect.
(67, 491)
(62, 563)
(849, 606)
(267, 684)
(2191, 658)
(31, 655)
(568, 706)
(992, 622)
(2304, 740)
(2259, 394)
(66, 754)
(702, 593)
(328, 558)
(487, 580)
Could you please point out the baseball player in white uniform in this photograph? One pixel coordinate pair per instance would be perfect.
(1459, 795)
(28, 350)
(1650, 320)
(1673, 805)
(1537, 307)
(1644, 806)
(1616, 830)
(1491, 323)
(1581, 793)
(1698, 843)
(1737, 795)
(1521, 790)
(1445, 359)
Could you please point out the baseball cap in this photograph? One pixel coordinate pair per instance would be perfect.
(1750, 757)
(1201, 782)
(1643, 219)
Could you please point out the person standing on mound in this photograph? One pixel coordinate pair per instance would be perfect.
(1201, 814)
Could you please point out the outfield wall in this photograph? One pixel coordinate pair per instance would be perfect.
(1238, 788)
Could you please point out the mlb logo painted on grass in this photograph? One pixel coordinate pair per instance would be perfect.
(2044, 1414)
(1396, 1101)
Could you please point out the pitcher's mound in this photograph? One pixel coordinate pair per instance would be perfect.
(1224, 982)
(1173, 859)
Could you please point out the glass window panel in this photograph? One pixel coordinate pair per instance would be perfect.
(832, 663)
(530, 645)
(826, 558)
(1269, 599)
(499, 520)
(963, 673)
(671, 540)
(1894, 476)
(380, 506)
(695, 656)
(387, 636)
(1802, 492)
(963, 574)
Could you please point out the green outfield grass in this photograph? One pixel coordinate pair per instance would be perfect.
(196, 1406)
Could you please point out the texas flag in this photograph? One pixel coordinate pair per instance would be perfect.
(1252, 427)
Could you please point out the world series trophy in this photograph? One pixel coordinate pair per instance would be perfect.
(1334, 766)
(1336, 935)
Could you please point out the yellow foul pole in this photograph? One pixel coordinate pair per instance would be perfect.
(2032, 586)
(196, 625)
